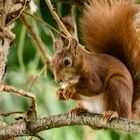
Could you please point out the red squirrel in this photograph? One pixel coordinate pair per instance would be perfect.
(105, 79)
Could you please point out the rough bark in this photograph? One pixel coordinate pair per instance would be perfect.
(9, 10)
(24, 128)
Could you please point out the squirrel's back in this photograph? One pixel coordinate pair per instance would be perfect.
(111, 27)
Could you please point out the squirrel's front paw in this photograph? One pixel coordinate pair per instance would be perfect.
(59, 94)
(69, 92)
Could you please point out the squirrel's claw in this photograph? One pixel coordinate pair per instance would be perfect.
(108, 116)
(78, 111)
(59, 94)
(66, 93)
(69, 92)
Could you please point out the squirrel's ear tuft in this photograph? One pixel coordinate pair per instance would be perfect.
(73, 45)
(57, 45)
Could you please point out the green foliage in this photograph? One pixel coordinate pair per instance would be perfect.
(24, 62)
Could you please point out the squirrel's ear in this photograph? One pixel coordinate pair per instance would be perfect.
(73, 45)
(57, 45)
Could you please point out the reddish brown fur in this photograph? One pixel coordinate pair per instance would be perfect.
(108, 28)
(98, 73)
(111, 29)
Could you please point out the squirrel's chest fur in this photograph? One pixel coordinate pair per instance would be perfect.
(93, 104)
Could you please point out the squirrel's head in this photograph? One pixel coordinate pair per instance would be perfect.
(67, 62)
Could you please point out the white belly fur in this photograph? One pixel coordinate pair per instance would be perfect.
(93, 104)
(64, 85)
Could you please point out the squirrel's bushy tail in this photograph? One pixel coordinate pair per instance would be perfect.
(112, 27)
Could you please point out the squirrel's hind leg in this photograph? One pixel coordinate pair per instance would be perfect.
(118, 97)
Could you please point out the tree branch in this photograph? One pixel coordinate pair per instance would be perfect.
(37, 40)
(30, 128)
(45, 23)
(56, 17)
(9, 11)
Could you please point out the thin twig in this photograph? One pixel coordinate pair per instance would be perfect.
(37, 40)
(45, 23)
(20, 92)
(35, 76)
(39, 137)
(24, 128)
(11, 113)
(72, 2)
(62, 26)
(21, 11)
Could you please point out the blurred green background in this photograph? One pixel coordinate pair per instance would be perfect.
(24, 62)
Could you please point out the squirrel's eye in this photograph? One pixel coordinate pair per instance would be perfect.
(67, 62)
